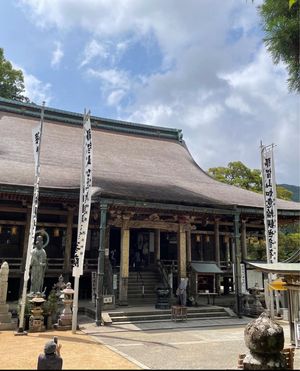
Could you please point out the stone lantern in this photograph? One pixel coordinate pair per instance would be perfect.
(36, 320)
(65, 319)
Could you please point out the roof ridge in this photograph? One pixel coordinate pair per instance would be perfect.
(53, 114)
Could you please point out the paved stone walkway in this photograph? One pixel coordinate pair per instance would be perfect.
(186, 345)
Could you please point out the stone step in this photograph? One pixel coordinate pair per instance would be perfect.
(165, 320)
(193, 310)
(165, 315)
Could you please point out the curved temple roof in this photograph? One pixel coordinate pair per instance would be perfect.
(130, 161)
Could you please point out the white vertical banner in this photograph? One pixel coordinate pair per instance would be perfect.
(36, 141)
(243, 279)
(270, 208)
(85, 197)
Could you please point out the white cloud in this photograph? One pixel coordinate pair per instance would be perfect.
(115, 97)
(57, 54)
(36, 90)
(215, 80)
(111, 77)
(92, 50)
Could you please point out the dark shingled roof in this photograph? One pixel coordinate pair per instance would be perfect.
(129, 160)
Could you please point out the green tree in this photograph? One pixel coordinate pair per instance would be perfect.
(287, 245)
(280, 21)
(238, 174)
(11, 80)
(283, 193)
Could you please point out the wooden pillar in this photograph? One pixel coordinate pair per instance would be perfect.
(67, 254)
(124, 264)
(25, 248)
(244, 241)
(181, 252)
(108, 272)
(237, 261)
(26, 237)
(100, 264)
(217, 242)
(188, 246)
(217, 255)
(157, 245)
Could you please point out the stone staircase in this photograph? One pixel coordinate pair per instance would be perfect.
(160, 315)
(141, 287)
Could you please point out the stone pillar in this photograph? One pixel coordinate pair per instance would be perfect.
(188, 246)
(67, 254)
(5, 315)
(244, 241)
(217, 253)
(157, 244)
(124, 264)
(181, 252)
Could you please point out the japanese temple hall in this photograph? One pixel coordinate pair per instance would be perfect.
(159, 213)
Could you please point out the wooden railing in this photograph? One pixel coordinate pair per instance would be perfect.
(53, 264)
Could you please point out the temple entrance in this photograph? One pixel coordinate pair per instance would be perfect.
(141, 250)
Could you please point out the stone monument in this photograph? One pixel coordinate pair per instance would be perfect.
(65, 319)
(255, 307)
(265, 340)
(5, 316)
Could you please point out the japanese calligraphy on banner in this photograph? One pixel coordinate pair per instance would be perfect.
(243, 279)
(36, 138)
(36, 142)
(85, 197)
(270, 209)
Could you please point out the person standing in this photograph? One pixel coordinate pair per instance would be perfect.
(51, 359)
(181, 291)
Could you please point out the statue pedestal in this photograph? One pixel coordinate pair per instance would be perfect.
(36, 321)
(5, 318)
(5, 315)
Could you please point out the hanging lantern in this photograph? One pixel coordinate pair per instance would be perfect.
(0, 229)
(226, 239)
(56, 232)
(14, 230)
(207, 239)
(198, 237)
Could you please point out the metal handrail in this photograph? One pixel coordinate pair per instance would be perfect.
(163, 273)
(139, 275)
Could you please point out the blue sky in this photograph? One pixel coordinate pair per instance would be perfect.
(197, 65)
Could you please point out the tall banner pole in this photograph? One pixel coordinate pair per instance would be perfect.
(270, 213)
(37, 141)
(83, 212)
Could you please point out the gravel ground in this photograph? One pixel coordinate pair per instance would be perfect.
(79, 352)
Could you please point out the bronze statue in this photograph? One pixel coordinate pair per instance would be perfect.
(38, 266)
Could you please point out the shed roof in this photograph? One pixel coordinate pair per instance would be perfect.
(205, 267)
(130, 161)
(293, 268)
